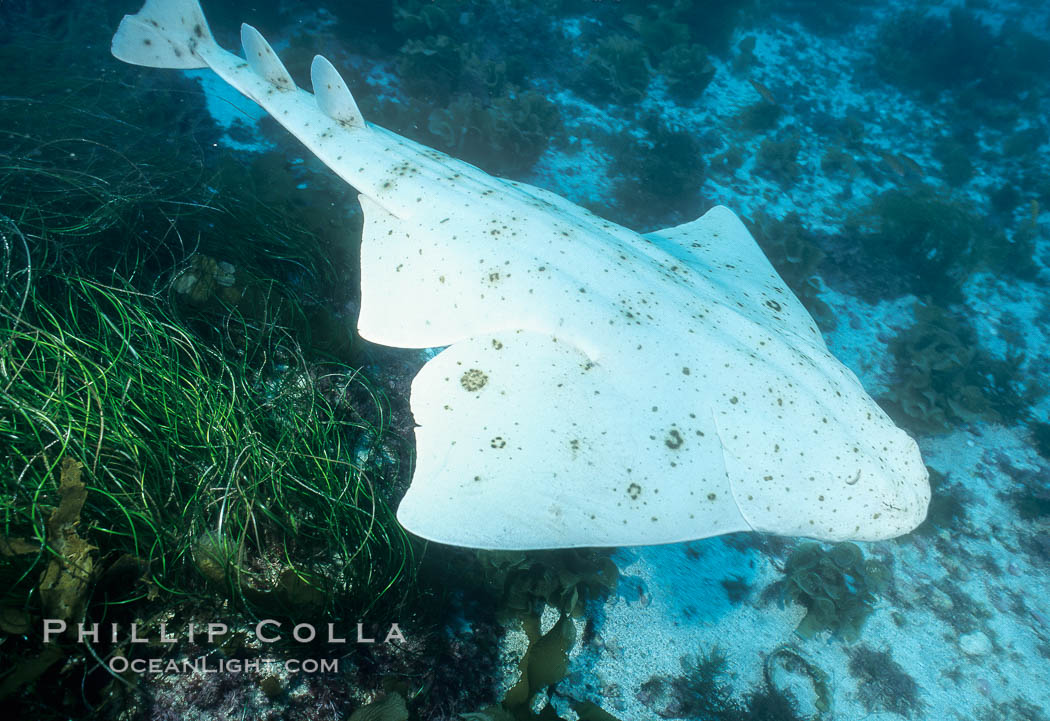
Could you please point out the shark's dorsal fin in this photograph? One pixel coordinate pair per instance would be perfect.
(263, 60)
(333, 97)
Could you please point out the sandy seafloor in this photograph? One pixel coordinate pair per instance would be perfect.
(670, 600)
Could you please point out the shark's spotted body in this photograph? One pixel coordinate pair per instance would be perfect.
(600, 387)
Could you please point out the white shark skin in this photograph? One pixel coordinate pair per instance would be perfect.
(601, 387)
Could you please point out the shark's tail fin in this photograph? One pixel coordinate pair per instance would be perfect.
(163, 34)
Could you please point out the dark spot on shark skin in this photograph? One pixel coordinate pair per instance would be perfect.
(198, 30)
(147, 41)
(634, 490)
(473, 380)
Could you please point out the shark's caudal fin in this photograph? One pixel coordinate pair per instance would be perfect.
(163, 34)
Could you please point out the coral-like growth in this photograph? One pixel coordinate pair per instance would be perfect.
(882, 684)
(944, 378)
(759, 117)
(702, 693)
(688, 71)
(778, 158)
(432, 66)
(836, 161)
(563, 579)
(505, 136)
(947, 505)
(615, 69)
(660, 176)
(954, 157)
(936, 383)
(930, 244)
(420, 18)
(823, 17)
(699, 691)
(710, 22)
(1040, 433)
(926, 51)
(767, 704)
(930, 52)
(837, 585)
(658, 30)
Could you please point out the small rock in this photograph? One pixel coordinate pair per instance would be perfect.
(975, 644)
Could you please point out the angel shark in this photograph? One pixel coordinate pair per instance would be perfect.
(598, 387)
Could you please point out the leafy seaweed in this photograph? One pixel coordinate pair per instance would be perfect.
(923, 243)
(688, 71)
(837, 586)
(948, 503)
(660, 176)
(777, 158)
(615, 69)
(504, 136)
(157, 332)
(921, 50)
(943, 377)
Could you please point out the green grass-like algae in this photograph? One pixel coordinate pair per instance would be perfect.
(166, 316)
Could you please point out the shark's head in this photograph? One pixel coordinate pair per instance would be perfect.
(878, 491)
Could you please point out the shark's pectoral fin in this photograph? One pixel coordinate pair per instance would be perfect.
(719, 246)
(471, 281)
(525, 442)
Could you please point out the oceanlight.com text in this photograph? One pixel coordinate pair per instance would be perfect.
(207, 664)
